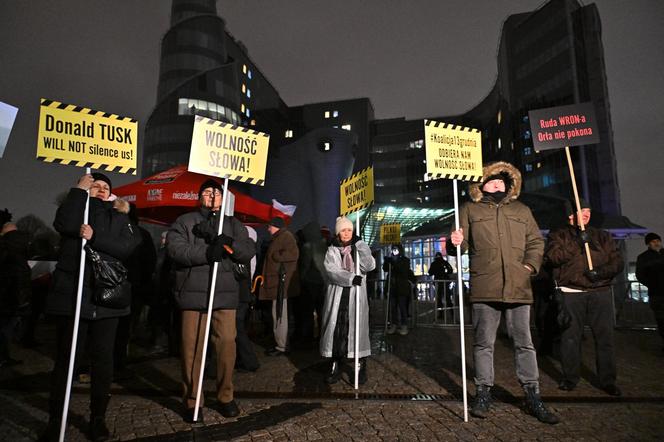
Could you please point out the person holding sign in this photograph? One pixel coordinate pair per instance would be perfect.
(110, 233)
(505, 248)
(338, 325)
(587, 295)
(194, 246)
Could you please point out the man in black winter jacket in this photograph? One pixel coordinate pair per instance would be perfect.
(650, 272)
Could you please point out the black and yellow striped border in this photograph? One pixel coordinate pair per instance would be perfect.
(92, 112)
(200, 119)
(450, 126)
(357, 209)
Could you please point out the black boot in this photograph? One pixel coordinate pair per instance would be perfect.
(362, 375)
(482, 402)
(535, 406)
(335, 372)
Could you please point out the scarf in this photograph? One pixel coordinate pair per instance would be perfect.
(347, 258)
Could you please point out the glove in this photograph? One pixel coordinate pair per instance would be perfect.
(223, 240)
(592, 275)
(204, 230)
(215, 252)
(357, 280)
(583, 238)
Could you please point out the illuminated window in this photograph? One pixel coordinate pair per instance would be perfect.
(249, 74)
(529, 167)
(242, 108)
(499, 117)
(289, 134)
(500, 144)
(244, 88)
(539, 165)
(327, 114)
(244, 68)
(253, 122)
(335, 114)
(327, 146)
(248, 112)
(248, 93)
(346, 127)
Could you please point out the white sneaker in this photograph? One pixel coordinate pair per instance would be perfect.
(403, 330)
(392, 329)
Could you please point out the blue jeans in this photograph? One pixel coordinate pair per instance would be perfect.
(486, 318)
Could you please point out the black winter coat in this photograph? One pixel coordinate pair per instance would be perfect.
(113, 238)
(192, 270)
(650, 272)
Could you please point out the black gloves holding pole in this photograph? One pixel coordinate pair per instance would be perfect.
(357, 280)
(219, 248)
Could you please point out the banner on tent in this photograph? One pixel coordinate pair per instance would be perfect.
(556, 127)
(83, 137)
(228, 151)
(453, 152)
(357, 191)
(390, 233)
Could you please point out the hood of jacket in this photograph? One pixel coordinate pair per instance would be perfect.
(121, 206)
(497, 168)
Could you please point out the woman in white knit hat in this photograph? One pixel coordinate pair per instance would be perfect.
(338, 325)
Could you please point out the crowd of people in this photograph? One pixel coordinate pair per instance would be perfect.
(307, 285)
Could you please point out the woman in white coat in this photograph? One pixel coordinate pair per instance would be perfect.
(338, 326)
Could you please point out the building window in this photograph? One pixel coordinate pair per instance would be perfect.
(248, 93)
(527, 150)
(242, 108)
(244, 88)
(335, 114)
(327, 114)
(325, 145)
(249, 74)
(253, 122)
(529, 167)
(500, 143)
(346, 127)
(248, 113)
(244, 68)
(417, 144)
(526, 135)
(288, 134)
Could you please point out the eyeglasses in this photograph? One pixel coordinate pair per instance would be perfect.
(215, 192)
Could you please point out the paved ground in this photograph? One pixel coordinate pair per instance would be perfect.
(414, 393)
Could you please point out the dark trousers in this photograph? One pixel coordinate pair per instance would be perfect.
(597, 309)
(101, 333)
(399, 309)
(245, 354)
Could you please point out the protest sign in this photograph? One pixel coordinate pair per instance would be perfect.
(357, 191)
(556, 127)
(390, 233)
(83, 137)
(453, 152)
(227, 151)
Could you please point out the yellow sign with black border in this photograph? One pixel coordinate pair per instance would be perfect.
(228, 151)
(390, 233)
(83, 137)
(453, 152)
(357, 191)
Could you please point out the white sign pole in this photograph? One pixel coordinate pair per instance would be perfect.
(213, 284)
(77, 319)
(357, 307)
(461, 315)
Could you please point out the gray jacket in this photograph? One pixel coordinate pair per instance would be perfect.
(192, 270)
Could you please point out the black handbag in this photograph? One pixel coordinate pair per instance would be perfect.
(241, 271)
(110, 288)
(563, 317)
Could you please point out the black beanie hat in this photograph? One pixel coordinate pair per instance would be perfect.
(571, 206)
(210, 183)
(503, 176)
(651, 237)
(101, 177)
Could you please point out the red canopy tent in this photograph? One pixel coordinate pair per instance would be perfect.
(161, 198)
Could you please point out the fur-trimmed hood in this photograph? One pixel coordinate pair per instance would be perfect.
(499, 167)
(121, 206)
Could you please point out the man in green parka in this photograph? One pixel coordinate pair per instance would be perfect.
(505, 248)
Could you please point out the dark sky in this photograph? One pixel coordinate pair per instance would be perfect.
(411, 58)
